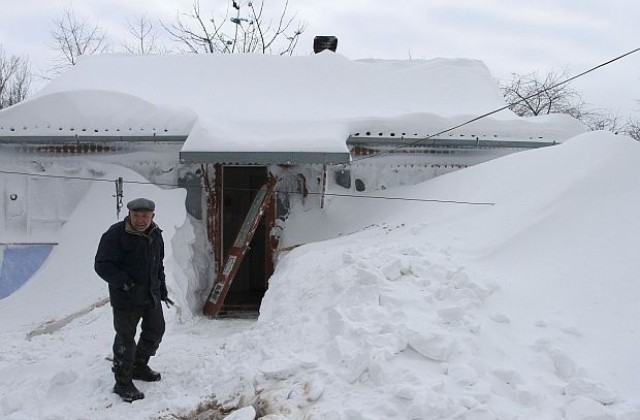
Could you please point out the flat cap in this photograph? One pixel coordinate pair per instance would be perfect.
(141, 204)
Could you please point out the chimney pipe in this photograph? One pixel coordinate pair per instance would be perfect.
(324, 42)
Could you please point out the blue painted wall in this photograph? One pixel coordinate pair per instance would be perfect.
(20, 262)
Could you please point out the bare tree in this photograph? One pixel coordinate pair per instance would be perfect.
(145, 36)
(243, 28)
(15, 79)
(75, 37)
(602, 120)
(632, 128)
(608, 121)
(540, 94)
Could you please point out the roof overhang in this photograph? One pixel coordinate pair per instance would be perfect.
(265, 158)
(76, 139)
(475, 142)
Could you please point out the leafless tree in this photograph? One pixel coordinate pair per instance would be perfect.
(145, 36)
(632, 128)
(15, 79)
(599, 119)
(539, 94)
(244, 27)
(75, 37)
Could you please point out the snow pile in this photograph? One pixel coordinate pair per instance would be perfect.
(524, 309)
(500, 312)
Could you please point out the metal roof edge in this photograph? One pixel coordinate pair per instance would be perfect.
(405, 142)
(89, 139)
(266, 158)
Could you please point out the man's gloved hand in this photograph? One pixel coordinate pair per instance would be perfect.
(168, 302)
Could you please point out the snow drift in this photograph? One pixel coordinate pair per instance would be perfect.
(522, 308)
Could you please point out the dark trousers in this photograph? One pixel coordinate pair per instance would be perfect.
(125, 322)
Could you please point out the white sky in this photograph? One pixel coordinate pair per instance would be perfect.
(508, 36)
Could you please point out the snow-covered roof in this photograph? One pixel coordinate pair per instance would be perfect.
(230, 106)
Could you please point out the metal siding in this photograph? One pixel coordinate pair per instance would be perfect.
(265, 158)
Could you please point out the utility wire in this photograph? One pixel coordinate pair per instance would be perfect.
(81, 178)
(378, 197)
(495, 111)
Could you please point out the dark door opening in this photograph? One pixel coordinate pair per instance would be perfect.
(240, 185)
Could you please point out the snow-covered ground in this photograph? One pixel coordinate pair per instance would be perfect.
(526, 308)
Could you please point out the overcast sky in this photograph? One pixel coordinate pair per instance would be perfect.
(509, 36)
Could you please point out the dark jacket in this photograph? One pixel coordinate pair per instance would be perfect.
(131, 262)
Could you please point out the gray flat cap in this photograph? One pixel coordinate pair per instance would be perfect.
(141, 204)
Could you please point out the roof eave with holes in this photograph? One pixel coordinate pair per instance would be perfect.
(404, 140)
(84, 139)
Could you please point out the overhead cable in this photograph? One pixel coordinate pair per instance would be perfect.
(495, 111)
(426, 200)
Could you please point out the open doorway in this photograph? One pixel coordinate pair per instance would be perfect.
(240, 185)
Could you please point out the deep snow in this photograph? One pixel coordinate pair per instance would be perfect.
(262, 103)
(524, 309)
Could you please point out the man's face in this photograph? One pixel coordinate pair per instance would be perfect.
(141, 219)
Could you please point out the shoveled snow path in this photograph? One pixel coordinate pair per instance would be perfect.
(68, 376)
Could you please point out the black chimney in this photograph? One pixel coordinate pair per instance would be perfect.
(321, 43)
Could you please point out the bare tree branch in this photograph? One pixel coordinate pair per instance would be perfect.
(200, 38)
(533, 94)
(632, 128)
(251, 30)
(73, 38)
(145, 36)
(15, 79)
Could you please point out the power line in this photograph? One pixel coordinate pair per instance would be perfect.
(81, 178)
(495, 111)
(377, 197)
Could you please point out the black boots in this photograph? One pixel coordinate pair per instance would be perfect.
(128, 391)
(145, 373)
(124, 386)
(124, 375)
(142, 371)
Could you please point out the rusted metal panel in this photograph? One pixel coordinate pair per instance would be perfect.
(76, 149)
(213, 193)
(217, 221)
(271, 241)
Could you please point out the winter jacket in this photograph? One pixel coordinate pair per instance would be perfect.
(131, 262)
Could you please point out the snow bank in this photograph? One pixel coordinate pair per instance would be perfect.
(522, 309)
(502, 311)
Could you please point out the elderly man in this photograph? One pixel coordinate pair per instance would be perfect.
(129, 258)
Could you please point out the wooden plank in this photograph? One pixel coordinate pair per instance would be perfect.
(236, 253)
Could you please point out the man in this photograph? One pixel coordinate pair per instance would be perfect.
(129, 258)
